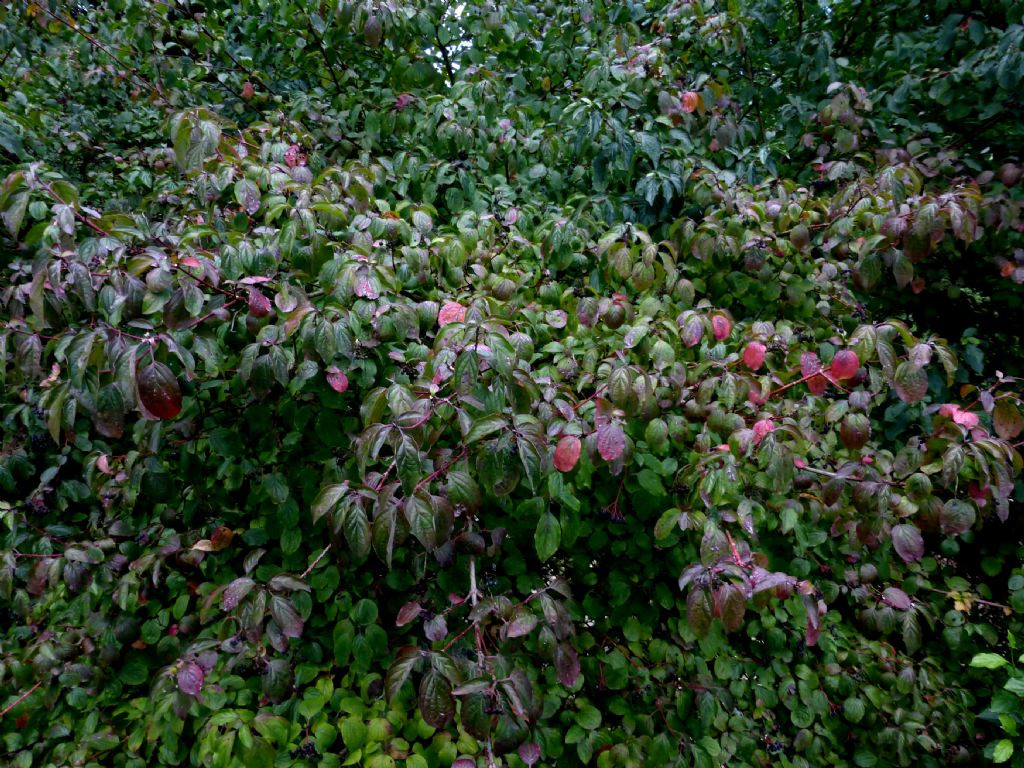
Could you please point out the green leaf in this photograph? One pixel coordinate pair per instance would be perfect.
(356, 527)
(588, 718)
(437, 705)
(327, 500)
(484, 427)
(988, 661)
(1003, 751)
(547, 537)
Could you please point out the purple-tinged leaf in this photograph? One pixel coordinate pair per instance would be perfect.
(699, 611)
(611, 441)
(762, 580)
(436, 628)
(529, 753)
(522, 624)
(567, 664)
(400, 670)
(286, 616)
(908, 543)
(896, 598)
(437, 705)
(236, 592)
(190, 678)
(408, 612)
(956, 517)
(730, 605)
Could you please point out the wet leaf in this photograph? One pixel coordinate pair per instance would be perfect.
(158, 391)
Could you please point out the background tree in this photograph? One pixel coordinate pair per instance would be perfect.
(408, 383)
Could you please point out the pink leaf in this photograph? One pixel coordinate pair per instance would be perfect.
(337, 379)
(452, 312)
(721, 326)
(567, 453)
(762, 428)
(753, 355)
(611, 441)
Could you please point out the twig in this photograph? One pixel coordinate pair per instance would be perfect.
(323, 52)
(313, 565)
(447, 61)
(433, 475)
(21, 698)
(97, 44)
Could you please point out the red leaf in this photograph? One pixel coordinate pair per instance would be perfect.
(845, 364)
(190, 678)
(690, 101)
(407, 613)
(567, 453)
(959, 415)
(259, 305)
(611, 442)
(762, 428)
(337, 379)
(722, 326)
(452, 312)
(159, 393)
(753, 355)
(809, 363)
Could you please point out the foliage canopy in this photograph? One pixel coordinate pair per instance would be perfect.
(409, 383)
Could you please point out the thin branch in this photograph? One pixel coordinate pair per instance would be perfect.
(446, 59)
(313, 565)
(323, 52)
(97, 44)
(21, 698)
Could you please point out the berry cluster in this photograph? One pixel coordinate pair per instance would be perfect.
(37, 505)
(306, 750)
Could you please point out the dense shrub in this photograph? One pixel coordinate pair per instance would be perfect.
(510, 384)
